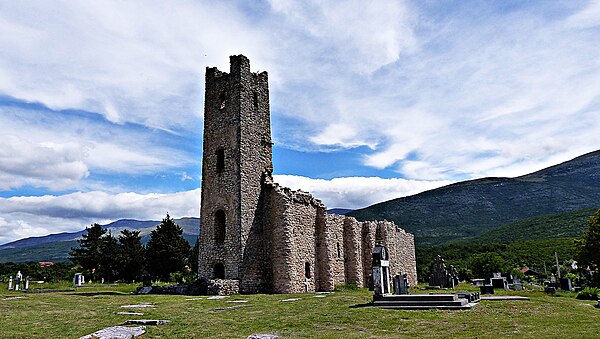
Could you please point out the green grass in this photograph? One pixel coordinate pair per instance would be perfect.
(74, 314)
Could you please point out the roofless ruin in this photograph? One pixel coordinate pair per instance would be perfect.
(259, 237)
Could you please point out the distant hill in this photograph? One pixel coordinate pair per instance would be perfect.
(340, 211)
(55, 247)
(562, 225)
(470, 208)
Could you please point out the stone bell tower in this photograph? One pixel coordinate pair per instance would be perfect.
(236, 156)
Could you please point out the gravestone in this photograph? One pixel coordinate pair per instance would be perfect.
(442, 276)
(381, 270)
(486, 289)
(500, 283)
(565, 284)
(78, 280)
(10, 284)
(18, 279)
(26, 287)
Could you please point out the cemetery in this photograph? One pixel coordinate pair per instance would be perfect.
(83, 311)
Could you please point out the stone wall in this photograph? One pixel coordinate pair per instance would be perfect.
(293, 216)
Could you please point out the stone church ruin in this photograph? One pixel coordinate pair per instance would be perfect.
(259, 237)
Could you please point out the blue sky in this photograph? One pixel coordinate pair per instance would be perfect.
(101, 103)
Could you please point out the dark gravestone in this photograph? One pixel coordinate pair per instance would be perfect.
(565, 284)
(500, 283)
(486, 289)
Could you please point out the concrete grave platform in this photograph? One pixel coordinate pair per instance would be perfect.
(505, 297)
(117, 332)
(422, 302)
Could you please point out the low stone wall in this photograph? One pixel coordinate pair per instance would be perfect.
(223, 287)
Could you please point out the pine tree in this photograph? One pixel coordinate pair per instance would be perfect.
(132, 255)
(109, 263)
(89, 253)
(167, 251)
(193, 259)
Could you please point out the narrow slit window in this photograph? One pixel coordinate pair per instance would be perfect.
(338, 250)
(255, 100)
(307, 270)
(219, 226)
(222, 100)
(220, 160)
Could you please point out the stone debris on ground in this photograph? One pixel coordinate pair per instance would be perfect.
(130, 313)
(238, 301)
(262, 336)
(140, 305)
(153, 322)
(117, 332)
(145, 290)
(12, 298)
(291, 299)
(217, 297)
(228, 308)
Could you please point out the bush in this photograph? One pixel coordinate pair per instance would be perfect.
(588, 293)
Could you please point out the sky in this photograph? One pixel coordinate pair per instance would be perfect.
(101, 102)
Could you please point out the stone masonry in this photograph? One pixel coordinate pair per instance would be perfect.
(259, 237)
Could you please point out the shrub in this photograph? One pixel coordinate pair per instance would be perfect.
(589, 293)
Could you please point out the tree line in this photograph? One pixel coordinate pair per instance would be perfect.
(167, 255)
(474, 260)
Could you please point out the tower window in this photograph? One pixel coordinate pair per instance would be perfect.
(307, 270)
(219, 271)
(220, 160)
(222, 100)
(255, 100)
(219, 226)
(338, 250)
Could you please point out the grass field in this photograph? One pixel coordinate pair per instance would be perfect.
(86, 310)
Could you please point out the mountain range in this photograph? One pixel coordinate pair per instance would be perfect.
(470, 208)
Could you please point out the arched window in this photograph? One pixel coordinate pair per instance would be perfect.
(219, 271)
(220, 160)
(307, 270)
(219, 226)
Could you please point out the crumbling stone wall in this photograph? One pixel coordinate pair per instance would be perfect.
(262, 237)
(294, 217)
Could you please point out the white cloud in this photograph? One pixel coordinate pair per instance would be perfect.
(357, 192)
(35, 216)
(135, 61)
(58, 150)
(499, 94)
(56, 165)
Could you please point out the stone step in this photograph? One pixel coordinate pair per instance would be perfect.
(427, 307)
(417, 297)
(460, 302)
